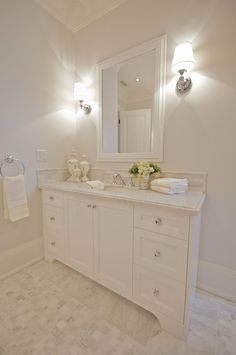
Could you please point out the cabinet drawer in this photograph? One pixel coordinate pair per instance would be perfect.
(159, 293)
(162, 221)
(160, 253)
(52, 198)
(54, 219)
(55, 244)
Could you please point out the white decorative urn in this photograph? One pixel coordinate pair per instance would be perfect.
(74, 168)
(84, 166)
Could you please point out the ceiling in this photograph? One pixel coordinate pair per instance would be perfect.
(76, 14)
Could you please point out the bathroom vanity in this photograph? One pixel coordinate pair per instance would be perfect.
(140, 244)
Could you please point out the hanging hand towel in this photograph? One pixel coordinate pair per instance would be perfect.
(14, 198)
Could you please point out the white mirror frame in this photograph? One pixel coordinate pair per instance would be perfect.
(160, 45)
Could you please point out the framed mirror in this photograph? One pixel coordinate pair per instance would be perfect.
(132, 103)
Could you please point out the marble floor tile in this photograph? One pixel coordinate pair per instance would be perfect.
(50, 309)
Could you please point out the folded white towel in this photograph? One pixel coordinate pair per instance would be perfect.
(14, 198)
(169, 191)
(96, 185)
(169, 182)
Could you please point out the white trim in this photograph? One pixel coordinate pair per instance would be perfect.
(217, 279)
(15, 259)
(160, 45)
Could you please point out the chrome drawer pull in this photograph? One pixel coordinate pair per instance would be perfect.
(51, 197)
(53, 243)
(52, 219)
(158, 221)
(156, 292)
(94, 206)
(157, 253)
(89, 206)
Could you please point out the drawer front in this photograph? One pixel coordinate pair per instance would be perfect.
(162, 221)
(54, 219)
(160, 253)
(159, 293)
(52, 198)
(55, 244)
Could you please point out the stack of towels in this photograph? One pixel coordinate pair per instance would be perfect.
(169, 185)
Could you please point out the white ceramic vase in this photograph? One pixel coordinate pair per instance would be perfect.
(73, 167)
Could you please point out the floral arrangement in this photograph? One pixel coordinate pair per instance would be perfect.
(144, 168)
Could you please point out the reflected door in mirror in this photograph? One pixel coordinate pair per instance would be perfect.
(135, 131)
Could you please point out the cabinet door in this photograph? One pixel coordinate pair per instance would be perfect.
(113, 228)
(79, 241)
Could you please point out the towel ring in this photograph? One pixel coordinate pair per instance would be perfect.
(11, 160)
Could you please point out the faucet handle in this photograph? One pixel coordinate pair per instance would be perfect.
(118, 179)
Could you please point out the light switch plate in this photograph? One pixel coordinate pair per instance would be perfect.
(42, 155)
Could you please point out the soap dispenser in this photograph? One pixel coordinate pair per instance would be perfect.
(84, 166)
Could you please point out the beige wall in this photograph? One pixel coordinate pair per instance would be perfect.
(200, 127)
(36, 82)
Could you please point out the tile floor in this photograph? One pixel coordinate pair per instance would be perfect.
(49, 309)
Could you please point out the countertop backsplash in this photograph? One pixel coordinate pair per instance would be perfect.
(197, 180)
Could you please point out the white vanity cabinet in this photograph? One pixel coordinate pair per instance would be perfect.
(144, 251)
(99, 240)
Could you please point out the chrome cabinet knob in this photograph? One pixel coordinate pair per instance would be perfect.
(158, 220)
(52, 218)
(53, 243)
(157, 253)
(51, 197)
(94, 206)
(156, 292)
(89, 206)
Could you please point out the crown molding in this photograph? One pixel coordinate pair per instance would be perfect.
(86, 22)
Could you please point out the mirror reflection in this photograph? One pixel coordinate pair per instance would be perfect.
(128, 101)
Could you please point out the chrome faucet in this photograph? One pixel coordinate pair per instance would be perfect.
(118, 180)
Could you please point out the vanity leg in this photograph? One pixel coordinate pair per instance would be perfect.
(173, 327)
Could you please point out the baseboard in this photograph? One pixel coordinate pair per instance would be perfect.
(217, 279)
(16, 259)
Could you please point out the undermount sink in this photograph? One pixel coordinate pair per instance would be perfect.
(117, 188)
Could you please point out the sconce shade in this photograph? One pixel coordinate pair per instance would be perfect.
(183, 57)
(79, 91)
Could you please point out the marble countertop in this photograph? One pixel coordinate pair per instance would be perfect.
(190, 201)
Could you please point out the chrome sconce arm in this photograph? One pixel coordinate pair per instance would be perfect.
(80, 94)
(86, 107)
(184, 82)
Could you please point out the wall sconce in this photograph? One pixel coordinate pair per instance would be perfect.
(183, 61)
(80, 95)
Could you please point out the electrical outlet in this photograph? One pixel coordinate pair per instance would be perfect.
(42, 155)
